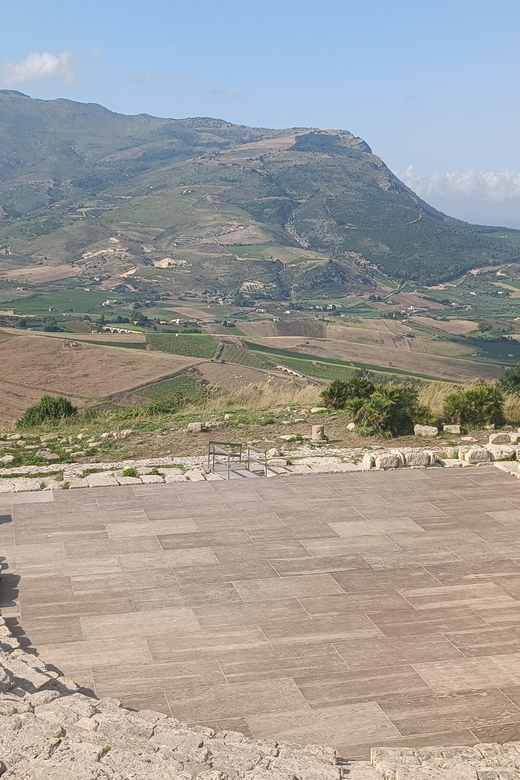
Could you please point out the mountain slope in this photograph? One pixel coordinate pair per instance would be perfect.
(204, 204)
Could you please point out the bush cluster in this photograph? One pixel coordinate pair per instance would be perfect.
(377, 409)
(48, 408)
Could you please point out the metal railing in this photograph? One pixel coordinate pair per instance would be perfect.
(231, 451)
(255, 455)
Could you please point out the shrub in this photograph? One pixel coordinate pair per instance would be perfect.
(477, 406)
(389, 410)
(49, 408)
(341, 391)
(129, 472)
(509, 382)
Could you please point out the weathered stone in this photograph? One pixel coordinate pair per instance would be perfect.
(316, 409)
(476, 455)
(499, 438)
(149, 479)
(101, 479)
(351, 426)
(288, 437)
(7, 459)
(451, 428)
(318, 433)
(195, 427)
(389, 460)
(501, 452)
(425, 430)
(419, 458)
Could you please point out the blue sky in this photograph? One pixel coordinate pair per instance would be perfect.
(432, 85)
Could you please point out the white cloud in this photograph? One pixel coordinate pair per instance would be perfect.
(484, 197)
(41, 66)
(481, 185)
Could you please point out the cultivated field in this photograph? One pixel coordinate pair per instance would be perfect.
(388, 357)
(33, 365)
(455, 327)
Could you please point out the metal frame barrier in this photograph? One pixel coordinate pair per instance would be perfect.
(257, 456)
(232, 451)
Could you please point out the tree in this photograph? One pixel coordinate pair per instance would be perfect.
(49, 408)
(509, 382)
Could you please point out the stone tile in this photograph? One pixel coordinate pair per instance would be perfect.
(493, 671)
(356, 581)
(93, 549)
(472, 595)
(360, 544)
(424, 714)
(257, 613)
(302, 533)
(248, 522)
(501, 733)
(487, 641)
(156, 702)
(404, 559)
(211, 596)
(291, 549)
(356, 603)
(466, 573)
(508, 615)
(266, 662)
(180, 541)
(311, 565)
(412, 622)
(71, 567)
(321, 629)
(110, 604)
(287, 587)
(50, 628)
(150, 528)
(193, 558)
(347, 687)
(224, 572)
(148, 678)
(52, 534)
(348, 723)
(237, 699)
(185, 645)
(142, 624)
(372, 653)
(138, 579)
(95, 652)
(398, 526)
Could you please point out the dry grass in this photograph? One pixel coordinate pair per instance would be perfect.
(257, 396)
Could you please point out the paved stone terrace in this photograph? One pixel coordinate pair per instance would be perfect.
(358, 610)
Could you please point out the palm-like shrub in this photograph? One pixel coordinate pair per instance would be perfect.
(509, 382)
(391, 410)
(477, 406)
(342, 391)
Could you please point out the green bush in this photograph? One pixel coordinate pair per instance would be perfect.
(390, 410)
(49, 408)
(478, 406)
(342, 391)
(509, 382)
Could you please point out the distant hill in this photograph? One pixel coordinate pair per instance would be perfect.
(202, 204)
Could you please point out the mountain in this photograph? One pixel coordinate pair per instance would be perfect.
(203, 204)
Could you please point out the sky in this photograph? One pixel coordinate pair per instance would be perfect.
(433, 87)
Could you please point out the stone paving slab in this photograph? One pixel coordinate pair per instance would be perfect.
(358, 609)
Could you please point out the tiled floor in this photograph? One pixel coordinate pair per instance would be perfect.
(356, 609)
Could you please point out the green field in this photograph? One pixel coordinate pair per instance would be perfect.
(82, 301)
(241, 357)
(162, 391)
(189, 344)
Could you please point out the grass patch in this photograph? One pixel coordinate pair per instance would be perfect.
(167, 388)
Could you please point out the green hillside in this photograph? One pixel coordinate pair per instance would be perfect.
(203, 205)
